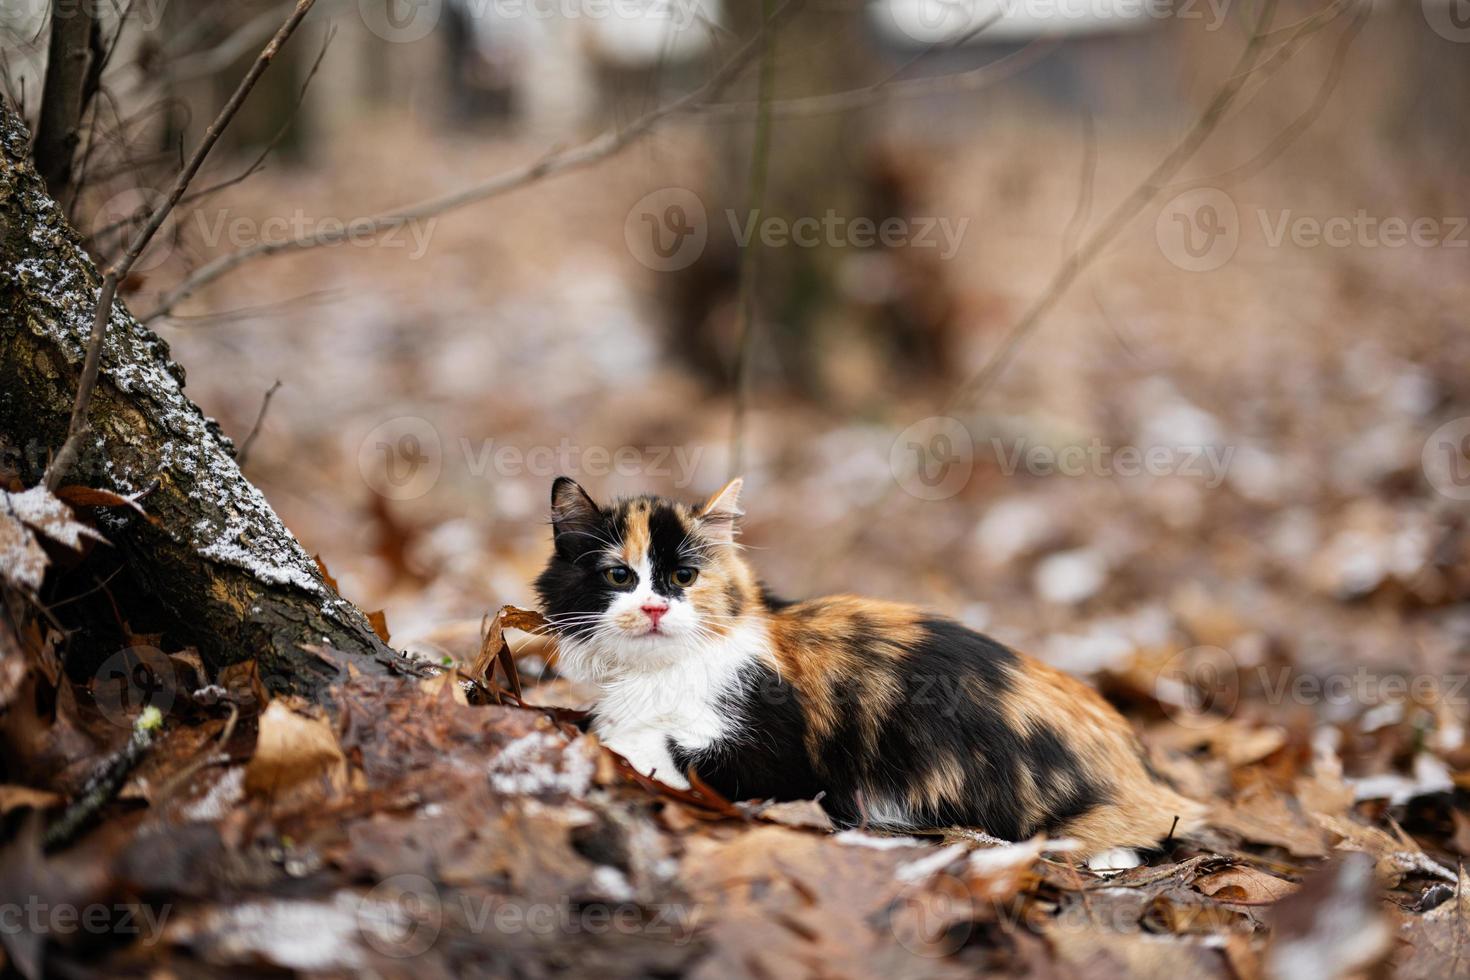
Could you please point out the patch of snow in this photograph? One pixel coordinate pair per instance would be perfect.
(298, 935)
(1430, 776)
(240, 529)
(611, 883)
(858, 838)
(1009, 857)
(1112, 861)
(522, 767)
(227, 791)
(1071, 577)
(1011, 528)
(916, 871)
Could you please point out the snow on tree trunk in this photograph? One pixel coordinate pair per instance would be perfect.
(231, 575)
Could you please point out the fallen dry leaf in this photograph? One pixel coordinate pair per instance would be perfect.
(1245, 885)
(1333, 926)
(378, 620)
(14, 797)
(291, 749)
(1395, 856)
(494, 649)
(23, 517)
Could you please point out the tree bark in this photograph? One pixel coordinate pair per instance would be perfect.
(63, 98)
(233, 580)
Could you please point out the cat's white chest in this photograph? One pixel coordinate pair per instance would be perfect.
(689, 700)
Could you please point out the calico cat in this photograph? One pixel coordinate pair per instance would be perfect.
(896, 717)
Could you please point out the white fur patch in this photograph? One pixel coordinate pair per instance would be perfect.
(667, 686)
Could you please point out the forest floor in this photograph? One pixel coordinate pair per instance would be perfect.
(1280, 608)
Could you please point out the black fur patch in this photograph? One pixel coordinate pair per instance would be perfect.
(938, 719)
(766, 760)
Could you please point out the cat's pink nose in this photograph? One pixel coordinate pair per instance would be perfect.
(655, 613)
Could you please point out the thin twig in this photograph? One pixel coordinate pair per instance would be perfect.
(1121, 215)
(265, 404)
(258, 163)
(79, 424)
(556, 162)
(1157, 180)
(759, 166)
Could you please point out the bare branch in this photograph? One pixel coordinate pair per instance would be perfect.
(1247, 66)
(759, 163)
(556, 162)
(78, 426)
(1122, 214)
(265, 404)
(63, 95)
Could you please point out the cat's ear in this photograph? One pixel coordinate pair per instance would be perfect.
(718, 515)
(573, 512)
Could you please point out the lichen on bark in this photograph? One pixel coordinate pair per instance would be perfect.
(216, 555)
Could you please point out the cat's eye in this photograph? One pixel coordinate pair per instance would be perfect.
(684, 577)
(619, 575)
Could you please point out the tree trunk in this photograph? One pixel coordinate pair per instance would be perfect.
(63, 99)
(223, 572)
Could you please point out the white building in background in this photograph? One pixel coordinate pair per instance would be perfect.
(550, 52)
(917, 23)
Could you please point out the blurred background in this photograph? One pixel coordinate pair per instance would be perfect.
(1052, 314)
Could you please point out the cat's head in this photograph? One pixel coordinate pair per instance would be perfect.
(642, 581)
